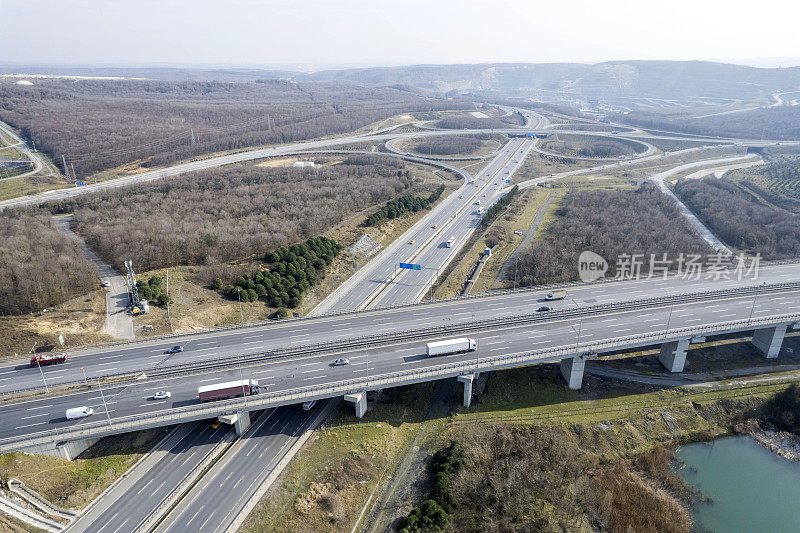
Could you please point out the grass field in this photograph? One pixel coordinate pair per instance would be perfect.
(80, 320)
(332, 477)
(589, 146)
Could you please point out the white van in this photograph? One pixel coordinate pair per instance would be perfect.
(79, 412)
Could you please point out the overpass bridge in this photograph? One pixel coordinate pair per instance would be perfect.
(389, 357)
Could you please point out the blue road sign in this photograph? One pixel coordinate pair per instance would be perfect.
(411, 266)
(508, 181)
(80, 183)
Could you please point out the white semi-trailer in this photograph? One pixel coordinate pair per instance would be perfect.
(450, 347)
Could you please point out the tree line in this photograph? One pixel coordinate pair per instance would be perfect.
(400, 206)
(501, 204)
(290, 272)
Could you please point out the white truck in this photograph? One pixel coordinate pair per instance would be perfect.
(79, 412)
(450, 347)
(449, 243)
(479, 211)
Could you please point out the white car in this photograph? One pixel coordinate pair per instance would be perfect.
(340, 362)
(106, 284)
(162, 395)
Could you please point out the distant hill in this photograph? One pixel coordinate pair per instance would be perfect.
(675, 80)
(667, 80)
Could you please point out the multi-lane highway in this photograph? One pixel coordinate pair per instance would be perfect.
(314, 374)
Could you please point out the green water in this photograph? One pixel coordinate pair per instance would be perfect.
(751, 488)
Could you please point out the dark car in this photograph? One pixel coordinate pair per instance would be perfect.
(543, 308)
(175, 349)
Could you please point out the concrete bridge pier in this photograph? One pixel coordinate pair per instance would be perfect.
(63, 450)
(769, 340)
(673, 354)
(467, 380)
(240, 421)
(360, 401)
(572, 370)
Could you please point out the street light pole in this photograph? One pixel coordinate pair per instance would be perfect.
(105, 405)
(241, 377)
(39, 365)
(669, 319)
(42, 373)
(516, 263)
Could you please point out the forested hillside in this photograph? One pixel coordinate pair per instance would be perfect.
(98, 125)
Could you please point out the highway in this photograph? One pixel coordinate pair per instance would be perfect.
(399, 354)
(148, 485)
(142, 355)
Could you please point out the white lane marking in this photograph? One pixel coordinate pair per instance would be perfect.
(104, 526)
(195, 515)
(42, 407)
(207, 519)
(145, 485)
(30, 425)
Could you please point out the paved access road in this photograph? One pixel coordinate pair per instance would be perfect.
(316, 370)
(119, 323)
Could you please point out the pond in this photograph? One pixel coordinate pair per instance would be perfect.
(751, 488)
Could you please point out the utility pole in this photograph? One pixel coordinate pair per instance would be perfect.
(193, 140)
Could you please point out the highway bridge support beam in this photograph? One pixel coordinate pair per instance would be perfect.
(240, 421)
(673, 354)
(360, 401)
(572, 370)
(769, 340)
(467, 380)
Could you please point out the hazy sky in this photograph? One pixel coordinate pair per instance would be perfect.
(320, 33)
